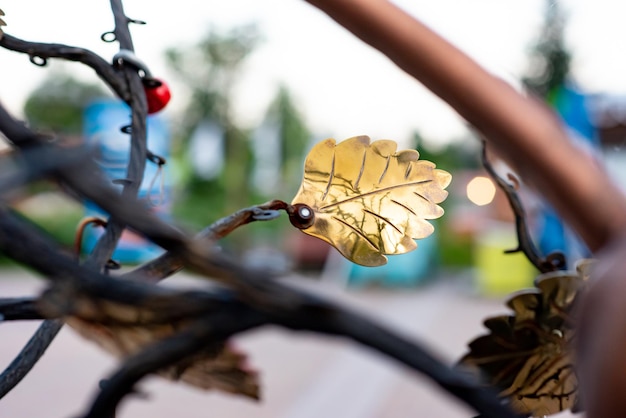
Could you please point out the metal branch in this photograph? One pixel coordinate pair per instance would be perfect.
(39, 52)
(28, 357)
(275, 301)
(130, 89)
(35, 163)
(15, 309)
(554, 261)
(169, 351)
(22, 137)
(168, 263)
(138, 150)
(122, 34)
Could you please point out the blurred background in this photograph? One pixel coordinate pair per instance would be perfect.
(255, 84)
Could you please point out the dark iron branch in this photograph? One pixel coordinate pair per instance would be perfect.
(127, 85)
(138, 142)
(168, 263)
(16, 309)
(278, 303)
(29, 355)
(554, 261)
(40, 52)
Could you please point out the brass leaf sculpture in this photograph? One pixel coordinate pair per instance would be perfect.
(527, 355)
(368, 200)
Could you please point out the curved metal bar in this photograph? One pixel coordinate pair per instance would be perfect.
(138, 149)
(29, 355)
(554, 261)
(70, 53)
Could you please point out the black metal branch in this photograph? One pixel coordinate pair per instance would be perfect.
(26, 243)
(122, 34)
(554, 261)
(138, 150)
(168, 263)
(198, 336)
(35, 163)
(130, 89)
(16, 309)
(44, 51)
(23, 138)
(276, 301)
(28, 357)
(325, 319)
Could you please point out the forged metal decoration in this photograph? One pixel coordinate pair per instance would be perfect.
(220, 367)
(368, 200)
(528, 355)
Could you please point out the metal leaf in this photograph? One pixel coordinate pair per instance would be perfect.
(219, 367)
(527, 355)
(369, 200)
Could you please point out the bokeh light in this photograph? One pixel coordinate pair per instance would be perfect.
(481, 190)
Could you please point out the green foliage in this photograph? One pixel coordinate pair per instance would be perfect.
(209, 70)
(452, 157)
(294, 134)
(57, 103)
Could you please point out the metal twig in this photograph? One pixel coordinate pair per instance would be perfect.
(169, 351)
(17, 309)
(138, 149)
(168, 263)
(29, 355)
(44, 51)
(554, 261)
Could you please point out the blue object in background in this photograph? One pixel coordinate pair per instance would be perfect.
(402, 270)
(102, 122)
(572, 107)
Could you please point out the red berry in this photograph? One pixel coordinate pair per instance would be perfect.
(157, 96)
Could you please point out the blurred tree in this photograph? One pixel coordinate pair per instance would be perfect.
(455, 155)
(280, 145)
(210, 69)
(57, 103)
(550, 59)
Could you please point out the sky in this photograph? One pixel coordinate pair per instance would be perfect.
(342, 86)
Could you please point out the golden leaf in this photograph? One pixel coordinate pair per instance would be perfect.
(368, 200)
(528, 355)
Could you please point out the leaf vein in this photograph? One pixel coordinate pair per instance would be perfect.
(404, 206)
(395, 186)
(422, 196)
(358, 179)
(383, 219)
(331, 177)
(357, 231)
(385, 169)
